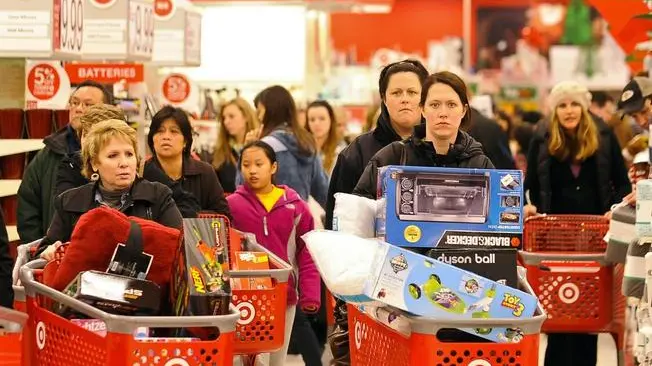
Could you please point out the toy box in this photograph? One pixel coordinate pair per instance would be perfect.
(495, 264)
(431, 207)
(200, 285)
(427, 287)
(256, 261)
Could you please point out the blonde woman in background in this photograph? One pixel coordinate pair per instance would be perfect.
(237, 117)
(322, 124)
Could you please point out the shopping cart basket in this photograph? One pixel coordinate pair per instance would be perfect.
(375, 344)
(24, 254)
(564, 257)
(58, 341)
(11, 333)
(261, 327)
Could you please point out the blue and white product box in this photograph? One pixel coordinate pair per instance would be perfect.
(431, 207)
(429, 288)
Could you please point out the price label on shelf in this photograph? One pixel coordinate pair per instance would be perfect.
(141, 29)
(68, 27)
(193, 39)
(176, 88)
(26, 28)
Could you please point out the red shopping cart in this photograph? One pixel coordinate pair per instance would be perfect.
(375, 344)
(577, 287)
(58, 341)
(11, 333)
(24, 254)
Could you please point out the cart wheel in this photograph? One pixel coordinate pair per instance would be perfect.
(414, 291)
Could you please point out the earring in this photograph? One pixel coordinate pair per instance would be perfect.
(95, 177)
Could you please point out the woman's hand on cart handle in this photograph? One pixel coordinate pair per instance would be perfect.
(48, 253)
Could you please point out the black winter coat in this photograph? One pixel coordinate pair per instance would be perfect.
(147, 200)
(227, 173)
(69, 173)
(613, 183)
(415, 151)
(6, 267)
(352, 161)
(495, 142)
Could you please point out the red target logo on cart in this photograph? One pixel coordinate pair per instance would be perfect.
(177, 362)
(40, 335)
(247, 313)
(479, 363)
(361, 330)
(569, 293)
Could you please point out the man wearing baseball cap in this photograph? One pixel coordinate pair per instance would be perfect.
(636, 100)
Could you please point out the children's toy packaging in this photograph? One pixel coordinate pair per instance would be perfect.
(114, 294)
(495, 264)
(256, 261)
(200, 285)
(449, 207)
(427, 287)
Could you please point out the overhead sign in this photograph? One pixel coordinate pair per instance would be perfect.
(47, 85)
(141, 29)
(180, 91)
(177, 35)
(68, 28)
(105, 73)
(26, 28)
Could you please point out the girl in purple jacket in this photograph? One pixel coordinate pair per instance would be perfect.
(278, 217)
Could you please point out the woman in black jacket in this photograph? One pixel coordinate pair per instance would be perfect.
(170, 140)
(110, 161)
(575, 166)
(439, 142)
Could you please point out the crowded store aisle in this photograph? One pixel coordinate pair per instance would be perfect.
(606, 353)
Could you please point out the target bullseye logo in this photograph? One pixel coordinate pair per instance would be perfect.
(40, 335)
(569, 293)
(247, 313)
(177, 362)
(479, 363)
(360, 333)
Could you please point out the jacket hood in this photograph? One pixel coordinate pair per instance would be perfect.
(465, 146)
(58, 141)
(291, 144)
(74, 159)
(384, 132)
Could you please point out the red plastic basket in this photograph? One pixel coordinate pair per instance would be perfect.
(11, 334)
(564, 256)
(57, 341)
(375, 344)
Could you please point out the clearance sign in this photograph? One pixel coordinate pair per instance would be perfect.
(105, 73)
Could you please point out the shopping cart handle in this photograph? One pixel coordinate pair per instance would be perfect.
(535, 258)
(12, 321)
(281, 273)
(118, 323)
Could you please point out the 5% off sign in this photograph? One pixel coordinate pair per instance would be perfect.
(68, 26)
(141, 28)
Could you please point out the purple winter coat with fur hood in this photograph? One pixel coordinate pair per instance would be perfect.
(280, 231)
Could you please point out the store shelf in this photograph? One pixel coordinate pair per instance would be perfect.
(12, 232)
(12, 147)
(9, 187)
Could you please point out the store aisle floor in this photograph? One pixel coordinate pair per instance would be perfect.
(606, 353)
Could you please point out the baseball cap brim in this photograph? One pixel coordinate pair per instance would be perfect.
(631, 106)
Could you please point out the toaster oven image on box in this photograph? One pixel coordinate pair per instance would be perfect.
(442, 197)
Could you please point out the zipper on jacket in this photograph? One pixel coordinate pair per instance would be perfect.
(265, 225)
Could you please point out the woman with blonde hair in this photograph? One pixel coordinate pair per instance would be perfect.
(574, 167)
(237, 118)
(110, 161)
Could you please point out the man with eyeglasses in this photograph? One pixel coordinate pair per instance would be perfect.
(36, 192)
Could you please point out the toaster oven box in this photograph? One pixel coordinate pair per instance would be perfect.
(430, 207)
(495, 264)
(427, 287)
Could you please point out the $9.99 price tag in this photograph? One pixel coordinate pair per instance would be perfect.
(141, 28)
(68, 25)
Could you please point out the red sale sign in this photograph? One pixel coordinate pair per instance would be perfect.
(43, 81)
(176, 88)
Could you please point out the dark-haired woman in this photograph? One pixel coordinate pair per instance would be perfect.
(170, 139)
(299, 164)
(322, 124)
(440, 142)
(399, 86)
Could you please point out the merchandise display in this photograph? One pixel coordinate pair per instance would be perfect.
(450, 208)
(430, 288)
(495, 264)
(244, 261)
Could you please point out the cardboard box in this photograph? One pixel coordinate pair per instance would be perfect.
(200, 284)
(251, 261)
(427, 287)
(495, 264)
(431, 207)
(113, 294)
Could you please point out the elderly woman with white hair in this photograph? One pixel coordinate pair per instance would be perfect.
(575, 166)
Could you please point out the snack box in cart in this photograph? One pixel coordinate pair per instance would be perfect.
(430, 207)
(426, 287)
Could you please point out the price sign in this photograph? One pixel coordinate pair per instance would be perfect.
(46, 85)
(141, 29)
(43, 81)
(176, 88)
(193, 39)
(68, 26)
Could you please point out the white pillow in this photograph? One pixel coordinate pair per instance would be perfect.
(344, 261)
(354, 215)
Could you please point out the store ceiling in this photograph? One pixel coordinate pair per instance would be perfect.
(333, 6)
